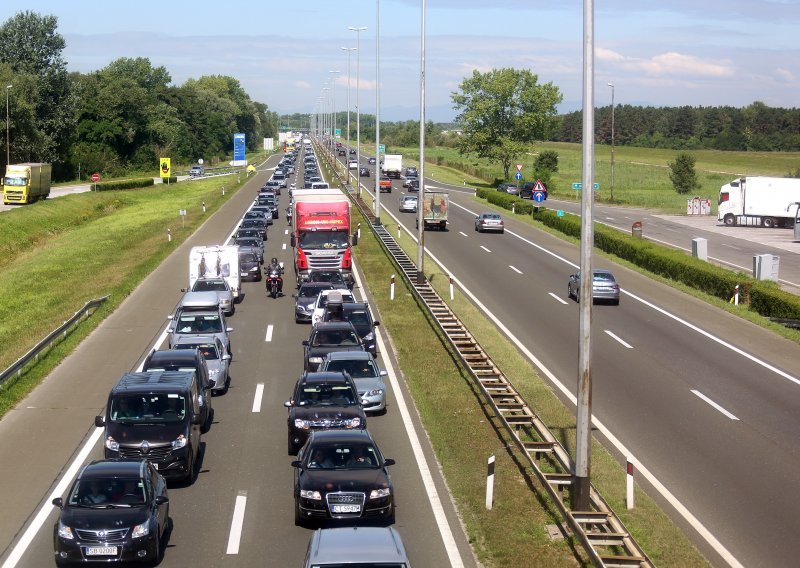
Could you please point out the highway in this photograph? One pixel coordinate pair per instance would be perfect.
(240, 510)
(702, 400)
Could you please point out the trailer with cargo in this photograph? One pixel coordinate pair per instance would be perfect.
(759, 202)
(26, 183)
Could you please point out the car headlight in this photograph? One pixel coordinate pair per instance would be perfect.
(380, 493)
(306, 494)
(370, 336)
(374, 392)
(65, 532)
(112, 444)
(179, 442)
(310, 306)
(315, 360)
(301, 424)
(254, 269)
(143, 530)
(353, 422)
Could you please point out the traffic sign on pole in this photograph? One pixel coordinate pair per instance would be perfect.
(578, 186)
(95, 178)
(519, 167)
(382, 148)
(538, 196)
(518, 175)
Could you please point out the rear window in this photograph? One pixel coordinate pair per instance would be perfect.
(603, 277)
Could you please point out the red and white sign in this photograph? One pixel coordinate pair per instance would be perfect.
(519, 167)
(539, 186)
(95, 178)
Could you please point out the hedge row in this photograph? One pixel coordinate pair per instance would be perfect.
(764, 298)
(124, 184)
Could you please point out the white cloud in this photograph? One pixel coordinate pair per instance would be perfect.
(785, 75)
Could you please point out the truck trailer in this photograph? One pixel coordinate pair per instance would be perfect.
(759, 202)
(321, 232)
(216, 261)
(26, 183)
(434, 210)
(392, 165)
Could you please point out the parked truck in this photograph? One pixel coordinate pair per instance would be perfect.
(392, 165)
(321, 232)
(759, 202)
(434, 210)
(216, 261)
(26, 183)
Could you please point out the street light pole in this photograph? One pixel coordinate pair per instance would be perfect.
(377, 112)
(421, 201)
(612, 141)
(8, 131)
(348, 50)
(358, 105)
(333, 81)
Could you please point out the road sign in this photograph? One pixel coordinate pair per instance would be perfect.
(182, 212)
(95, 178)
(382, 148)
(518, 176)
(519, 167)
(538, 196)
(560, 213)
(539, 186)
(578, 186)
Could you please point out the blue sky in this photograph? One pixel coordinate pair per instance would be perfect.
(660, 53)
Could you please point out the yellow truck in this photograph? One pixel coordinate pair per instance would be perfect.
(26, 183)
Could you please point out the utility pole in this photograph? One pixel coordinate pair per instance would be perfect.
(612, 141)
(421, 201)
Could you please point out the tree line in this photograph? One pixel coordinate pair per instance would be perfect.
(122, 117)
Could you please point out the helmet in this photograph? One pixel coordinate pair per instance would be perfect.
(274, 260)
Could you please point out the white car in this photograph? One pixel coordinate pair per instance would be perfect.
(322, 301)
(408, 203)
(352, 164)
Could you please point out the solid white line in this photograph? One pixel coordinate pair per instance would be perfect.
(270, 327)
(486, 249)
(714, 404)
(559, 298)
(235, 535)
(515, 269)
(413, 438)
(257, 398)
(627, 345)
(462, 233)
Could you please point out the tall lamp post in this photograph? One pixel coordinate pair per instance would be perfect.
(421, 207)
(612, 141)
(358, 106)
(333, 94)
(348, 50)
(377, 112)
(8, 131)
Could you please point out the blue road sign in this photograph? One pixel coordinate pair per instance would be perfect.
(538, 196)
(578, 186)
(560, 213)
(518, 176)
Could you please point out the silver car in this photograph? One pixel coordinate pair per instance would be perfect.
(604, 286)
(375, 546)
(217, 359)
(408, 204)
(221, 287)
(199, 314)
(365, 372)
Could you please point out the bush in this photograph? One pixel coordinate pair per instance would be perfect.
(546, 160)
(124, 184)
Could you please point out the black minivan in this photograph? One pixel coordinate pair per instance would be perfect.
(156, 416)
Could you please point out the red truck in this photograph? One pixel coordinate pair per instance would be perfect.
(321, 233)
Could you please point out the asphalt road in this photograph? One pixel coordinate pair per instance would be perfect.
(703, 401)
(245, 450)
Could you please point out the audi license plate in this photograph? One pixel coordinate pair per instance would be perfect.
(101, 551)
(346, 508)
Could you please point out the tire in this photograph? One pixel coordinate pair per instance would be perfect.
(290, 449)
(729, 220)
(207, 425)
(615, 302)
(390, 519)
(502, 232)
(159, 550)
(769, 222)
(191, 475)
(569, 291)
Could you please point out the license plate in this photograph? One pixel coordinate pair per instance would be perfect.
(101, 551)
(346, 508)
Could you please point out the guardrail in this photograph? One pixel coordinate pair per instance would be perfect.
(599, 530)
(55, 336)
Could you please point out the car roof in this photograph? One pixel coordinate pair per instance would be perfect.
(151, 381)
(323, 377)
(357, 545)
(350, 356)
(113, 468)
(175, 355)
(341, 435)
(332, 325)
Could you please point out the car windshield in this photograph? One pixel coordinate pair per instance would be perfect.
(491, 216)
(357, 317)
(209, 286)
(326, 395)
(356, 369)
(311, 291)
(103, 492)
(248, 257)
(603, 277)
(334, 337)
(208, 350)
(323, 240)
(192, 323)
(148, 408)
(342, 456)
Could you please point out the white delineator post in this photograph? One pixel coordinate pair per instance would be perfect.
(391, 289)
(490, 483)
(451, 287)
(169, 235)
(629, 485)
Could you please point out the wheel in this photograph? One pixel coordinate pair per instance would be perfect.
(291, 450)
(207, 425)
(159, 550)
(615, 302)
(502, 232)
(769, 222)
(191, 475)
(569, 291)
(730, 220)
(391, 517)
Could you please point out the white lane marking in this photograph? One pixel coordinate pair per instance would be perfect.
(462, 233)
(610, 219)
(625, 344)
(714, 404)
(270, 329)
(559, 298)
(486, 249)
(286, 231)
(413, 438)
(258, 396)
(515, 269)
(237, 522)
(283, 247)
(648, 475)
(734, 247)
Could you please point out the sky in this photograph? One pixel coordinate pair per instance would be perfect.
(658, 53)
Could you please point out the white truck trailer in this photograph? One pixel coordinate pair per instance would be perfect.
(216, 261)
(759, 202)
(392, 165)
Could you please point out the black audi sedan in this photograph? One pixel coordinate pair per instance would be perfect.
(341, 475)
(322, 401)
(116, 511)
(326, 337)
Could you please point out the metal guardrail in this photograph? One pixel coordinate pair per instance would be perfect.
(600, 532)
(57, 335)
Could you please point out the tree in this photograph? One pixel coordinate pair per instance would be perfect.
(682, 173)
(502, 112)
(546, 160)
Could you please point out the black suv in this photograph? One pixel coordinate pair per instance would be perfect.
(115, 511)
(321, 401)
(182, 360)
(329, 336)
(359, 315)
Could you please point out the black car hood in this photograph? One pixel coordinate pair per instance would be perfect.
(132, 433)
(321, 412)
(108, 518)
(332, 480)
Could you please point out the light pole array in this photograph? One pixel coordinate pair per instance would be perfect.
(377, 112)
(358, 31)
(8, 130)
(420, 203)
(612, 141)
(333, 106)
(349, 50)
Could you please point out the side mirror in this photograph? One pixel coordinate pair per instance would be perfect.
(161, 499)
(226, 357)
(295, 463)
(306, 343)
(229, 329)
(288, 404)
(196, 421)
(376, 323)
(280, 264)
(383, 373)
(58, 502)
(100, 421)
(388, 461)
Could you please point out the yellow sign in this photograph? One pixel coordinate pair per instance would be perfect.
(166, 168)
(251, 169)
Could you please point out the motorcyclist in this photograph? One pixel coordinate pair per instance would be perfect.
(275, 268)
(289, 215)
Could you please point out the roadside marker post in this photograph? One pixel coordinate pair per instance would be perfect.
(451, 287)
(204, 206)
(629, 486)
(490, 483)
(169, 235)
(391, 289)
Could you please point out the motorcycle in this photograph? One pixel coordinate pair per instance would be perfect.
(289, 216)
(275, 282)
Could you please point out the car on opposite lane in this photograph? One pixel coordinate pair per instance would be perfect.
(363, 172)
(604, 286)
(489, 222)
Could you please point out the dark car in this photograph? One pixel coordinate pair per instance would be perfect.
(250, 263)
(411, 171)
(352, 151)
(115, 511)
(181, 359)
(359, 315)
(259, 224)
(411, 184)
(363, 172)
(341, 152)
(306, 299)
(253, 244)
(321, 401)
(371, 161)
(332, 276)
(341, 475)
(257, 214)
(250, 233)
(329, 336)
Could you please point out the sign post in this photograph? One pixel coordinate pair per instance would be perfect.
(95, 179)
(166, 169)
